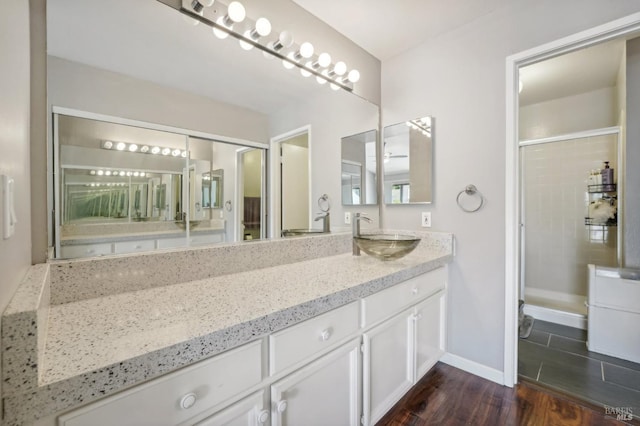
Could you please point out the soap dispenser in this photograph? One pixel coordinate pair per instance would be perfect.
(607, 174)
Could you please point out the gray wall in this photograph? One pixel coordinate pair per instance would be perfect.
(631, 195)
(15, 253)
(459, 78)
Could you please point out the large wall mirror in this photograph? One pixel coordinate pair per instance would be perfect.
(408, 161)
(358, 169)
(200, 95)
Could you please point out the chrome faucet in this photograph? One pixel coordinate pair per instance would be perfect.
(326, 221)
(357, 217)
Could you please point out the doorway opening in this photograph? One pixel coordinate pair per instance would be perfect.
(250, 192)
(623, 29)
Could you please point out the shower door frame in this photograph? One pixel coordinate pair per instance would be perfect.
(605, 131)
(623, 27)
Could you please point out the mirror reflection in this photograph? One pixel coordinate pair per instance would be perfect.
(124, 188)
(408, 161)
(358, 169)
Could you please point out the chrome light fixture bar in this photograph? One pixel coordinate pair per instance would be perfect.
(291, 55)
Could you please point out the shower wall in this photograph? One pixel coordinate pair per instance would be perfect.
(558, 244)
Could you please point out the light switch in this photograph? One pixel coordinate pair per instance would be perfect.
(9, 218)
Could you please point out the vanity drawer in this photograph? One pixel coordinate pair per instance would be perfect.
(300, 342)
(85, 250)
(206, 239)
(172, 242)
(134, 246)
(179, 396)
(389, 302)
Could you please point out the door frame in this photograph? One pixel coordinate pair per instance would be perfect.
(275, 221)
(615, 29)
(239, 193)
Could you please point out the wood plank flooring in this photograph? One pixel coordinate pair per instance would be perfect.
(449, 396)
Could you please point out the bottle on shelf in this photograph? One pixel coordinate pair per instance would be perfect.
(607, 174)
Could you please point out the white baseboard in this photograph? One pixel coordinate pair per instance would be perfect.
(473, 367)
(558, 317)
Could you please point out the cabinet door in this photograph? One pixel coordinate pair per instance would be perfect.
(325, 392)
(249, 411)
(430, 333)
(388, 365)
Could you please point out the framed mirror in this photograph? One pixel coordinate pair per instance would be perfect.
(408, 161)
(358, 175)
(212, 189)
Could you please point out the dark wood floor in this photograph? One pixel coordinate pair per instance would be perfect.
(448, 396)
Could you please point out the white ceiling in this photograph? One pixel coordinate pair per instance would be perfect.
(571, 74)
(387, 28)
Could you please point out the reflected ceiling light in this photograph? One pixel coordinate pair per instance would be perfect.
(166, 151)
(324, 60)
(122, 173)
(107, 173)
(354, 76)
(92, 172)
(107, 144)
(120, 146)
(155, 150)
(144, 149)
(175, 152)
(129, 173)
(289, 64)
(305, 51)
(235, 14)
(136, 174)
(133, 147)
(340, 68)
(184, 154)
(100, 172)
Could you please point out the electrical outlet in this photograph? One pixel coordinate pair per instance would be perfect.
(347, 218)
(426, 219)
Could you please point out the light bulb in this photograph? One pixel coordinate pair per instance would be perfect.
(121, 146)
(285, 39)
(136, 174)
(236, 12)
(107, 145)
(92, 172)
(324, 60)
(133, 147)
(107, 173)
(100, 172)
(122, 173)
(155, 150)
(175, 152)
(306, 50)
(304, 72)
(129, 173)
(184, 154)
(141, 174)
(340, 68)
(166, 151)
(198, 5)
(354, 76)
(263, 27)
(218, 32)
(321, 80)
(288, 65)
(244, 44)
(144, 148)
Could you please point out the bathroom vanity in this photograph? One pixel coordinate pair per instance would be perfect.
(291, 331)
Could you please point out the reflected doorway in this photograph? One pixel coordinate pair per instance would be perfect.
(291, 181)
(250, 193)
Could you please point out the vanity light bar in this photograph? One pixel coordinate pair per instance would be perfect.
(117, 173)
(254, 33)
(143, 149)
(421, 124)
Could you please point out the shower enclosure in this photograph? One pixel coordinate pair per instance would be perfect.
(559, 239)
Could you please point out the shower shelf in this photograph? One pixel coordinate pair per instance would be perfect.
(591, 222)
(597, 189)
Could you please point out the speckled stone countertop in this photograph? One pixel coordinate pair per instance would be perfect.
(98, 346)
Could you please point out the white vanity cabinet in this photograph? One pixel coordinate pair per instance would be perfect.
(404, 338)
(348, 366)
(249, 411)
(180, 396)
(325, 392)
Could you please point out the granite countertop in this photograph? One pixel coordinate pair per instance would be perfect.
(98, 346)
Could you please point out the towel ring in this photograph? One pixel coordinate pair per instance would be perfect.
(324, 202)
(470, 190)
